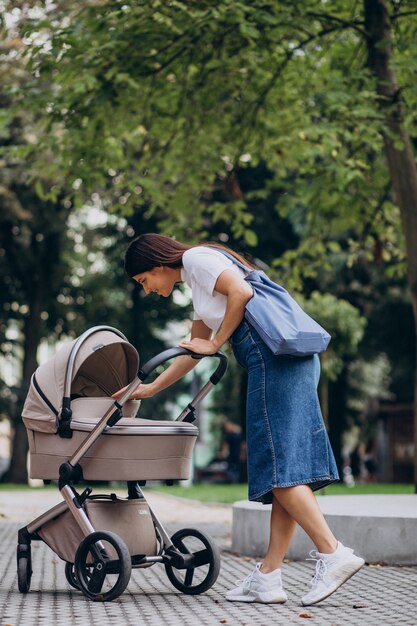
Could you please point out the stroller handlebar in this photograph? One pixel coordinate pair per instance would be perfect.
(172, 353)
(188, 413)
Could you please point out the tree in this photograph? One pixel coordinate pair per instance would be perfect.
(31, 241)
(399, 149)
(157, 105)
(171, 97)
(59, 275)
(346, 325)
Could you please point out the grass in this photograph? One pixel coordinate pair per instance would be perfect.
(362, 488)
(52, 487)
(205, 492)
(14, 487)
(227, 494)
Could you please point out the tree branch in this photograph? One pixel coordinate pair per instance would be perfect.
(395, 16)
(288, 56)
(178, 53)
(368, 228)
(355, 24)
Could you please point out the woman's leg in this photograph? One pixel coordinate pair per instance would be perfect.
(264, 584)
(335, 563)
(282, 527)
(301, 505)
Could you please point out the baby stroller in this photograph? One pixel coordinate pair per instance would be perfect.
(76, 433)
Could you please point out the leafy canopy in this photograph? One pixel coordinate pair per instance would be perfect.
(166, 99)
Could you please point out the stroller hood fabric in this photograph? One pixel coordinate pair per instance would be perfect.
(104, 363)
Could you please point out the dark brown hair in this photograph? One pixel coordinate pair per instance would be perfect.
(151, 250)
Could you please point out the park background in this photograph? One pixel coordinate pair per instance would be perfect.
(284, 130)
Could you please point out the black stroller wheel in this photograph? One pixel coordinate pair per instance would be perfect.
(102, 566)
(24, 574)
(70, 575)
(203, 569)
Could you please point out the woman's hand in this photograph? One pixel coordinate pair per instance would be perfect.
(144, 391)
(200, 346)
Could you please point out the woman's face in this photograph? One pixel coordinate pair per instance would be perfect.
(160, 280)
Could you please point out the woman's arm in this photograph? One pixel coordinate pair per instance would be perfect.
(238, 293)
(178, 368)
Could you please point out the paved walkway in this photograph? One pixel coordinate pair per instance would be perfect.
(375, 596)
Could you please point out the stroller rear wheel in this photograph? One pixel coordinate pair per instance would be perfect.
(24, 573)
(102, 566)
(202, 569)
(70, 575)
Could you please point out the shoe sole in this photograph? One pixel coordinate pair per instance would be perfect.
(258, 598)
(344, 579)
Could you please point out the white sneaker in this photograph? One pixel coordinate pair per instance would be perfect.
(332, 570)
(259, 587)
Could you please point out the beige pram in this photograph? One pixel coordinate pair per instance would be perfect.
(76, 433)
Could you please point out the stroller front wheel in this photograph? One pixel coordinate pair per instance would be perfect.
(102, 566)
(203, 567)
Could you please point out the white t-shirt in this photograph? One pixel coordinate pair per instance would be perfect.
(201, 268)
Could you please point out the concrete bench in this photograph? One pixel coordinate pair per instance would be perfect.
(380, 528)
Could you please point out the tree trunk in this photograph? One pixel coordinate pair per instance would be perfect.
(337, 417)
(398, 149)
(324, 398)
(17, 472)
(243, 383)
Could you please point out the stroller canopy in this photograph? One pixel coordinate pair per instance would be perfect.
(95, 365)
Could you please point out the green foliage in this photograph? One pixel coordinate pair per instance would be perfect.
(170, 97)
(229, 399)
(345, 324)
(369, 381)
(153, 110)
(61, 260)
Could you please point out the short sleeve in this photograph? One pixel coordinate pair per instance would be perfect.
(205, 266)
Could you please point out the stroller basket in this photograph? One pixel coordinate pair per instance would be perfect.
(63, 535)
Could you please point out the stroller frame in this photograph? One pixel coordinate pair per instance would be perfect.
(93, 560)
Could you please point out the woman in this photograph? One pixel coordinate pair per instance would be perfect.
(288, 450)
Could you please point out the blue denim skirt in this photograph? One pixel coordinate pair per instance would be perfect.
(287, 442)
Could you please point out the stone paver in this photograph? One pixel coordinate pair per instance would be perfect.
(382, 595)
